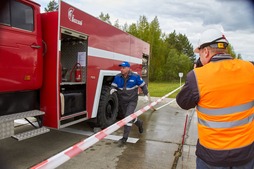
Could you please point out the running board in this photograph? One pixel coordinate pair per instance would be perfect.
(21, 115)
(31, 133)
(7, 121)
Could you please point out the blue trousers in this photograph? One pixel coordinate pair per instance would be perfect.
(200, 164)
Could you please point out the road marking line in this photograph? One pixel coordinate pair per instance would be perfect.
(89, 133)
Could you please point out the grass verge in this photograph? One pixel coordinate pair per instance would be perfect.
(159, 89)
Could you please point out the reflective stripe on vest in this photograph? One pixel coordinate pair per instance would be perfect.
(229, 110)
(231, 124)
(224, 111)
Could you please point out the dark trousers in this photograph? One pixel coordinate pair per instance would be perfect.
(128, 109)
(203, 165)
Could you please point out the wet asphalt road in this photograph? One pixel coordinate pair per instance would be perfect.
(156, 148)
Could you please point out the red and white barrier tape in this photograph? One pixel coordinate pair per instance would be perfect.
(69, 153)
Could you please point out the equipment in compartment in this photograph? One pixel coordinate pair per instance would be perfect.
(78, 76)
(72, 99)
(64, 72)
(71, 48)
(73, 103)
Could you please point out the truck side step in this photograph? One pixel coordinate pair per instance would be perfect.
(21, 115)
(31, 133)
(7, 121)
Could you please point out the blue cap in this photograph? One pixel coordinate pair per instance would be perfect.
(125, 64)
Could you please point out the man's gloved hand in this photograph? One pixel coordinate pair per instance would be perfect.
(146, 98)
(112, 91)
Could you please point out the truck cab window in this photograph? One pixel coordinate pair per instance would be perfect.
(22, 16)
(5, 14)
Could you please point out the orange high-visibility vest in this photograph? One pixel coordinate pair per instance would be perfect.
(226, 106)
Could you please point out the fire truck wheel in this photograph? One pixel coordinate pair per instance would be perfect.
(108, 108)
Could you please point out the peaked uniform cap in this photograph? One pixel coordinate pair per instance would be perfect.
(125, 64)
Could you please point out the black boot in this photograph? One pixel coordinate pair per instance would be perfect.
(122, 142)
(139, 124)
(140, 127)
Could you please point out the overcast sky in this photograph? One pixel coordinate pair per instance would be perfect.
(235, 18)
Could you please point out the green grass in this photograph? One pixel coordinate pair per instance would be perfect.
(159, 89)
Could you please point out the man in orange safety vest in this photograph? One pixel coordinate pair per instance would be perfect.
(222, 90)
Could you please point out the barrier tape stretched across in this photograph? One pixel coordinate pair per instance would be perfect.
(69, 153)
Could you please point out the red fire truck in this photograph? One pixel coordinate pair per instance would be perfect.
(58, 66)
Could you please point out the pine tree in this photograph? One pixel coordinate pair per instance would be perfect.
(52, 6)
(105, 18)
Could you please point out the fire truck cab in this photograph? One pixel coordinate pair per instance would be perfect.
(58, 66)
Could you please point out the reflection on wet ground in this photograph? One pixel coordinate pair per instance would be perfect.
(156, 148)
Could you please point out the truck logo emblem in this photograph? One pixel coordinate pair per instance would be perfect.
(72, 18)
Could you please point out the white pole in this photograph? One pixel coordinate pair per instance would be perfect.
(180, 74)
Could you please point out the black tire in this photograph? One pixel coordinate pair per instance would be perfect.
(120, 114)
(108, 108)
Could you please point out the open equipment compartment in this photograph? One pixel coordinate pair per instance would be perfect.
(73, 59)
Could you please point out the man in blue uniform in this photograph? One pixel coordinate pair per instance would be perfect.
(126, 85)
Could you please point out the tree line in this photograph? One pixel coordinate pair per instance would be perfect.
(169, 53)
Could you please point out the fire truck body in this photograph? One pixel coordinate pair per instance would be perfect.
(68, 76)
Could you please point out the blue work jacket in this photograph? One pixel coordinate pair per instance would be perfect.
(127, 88)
